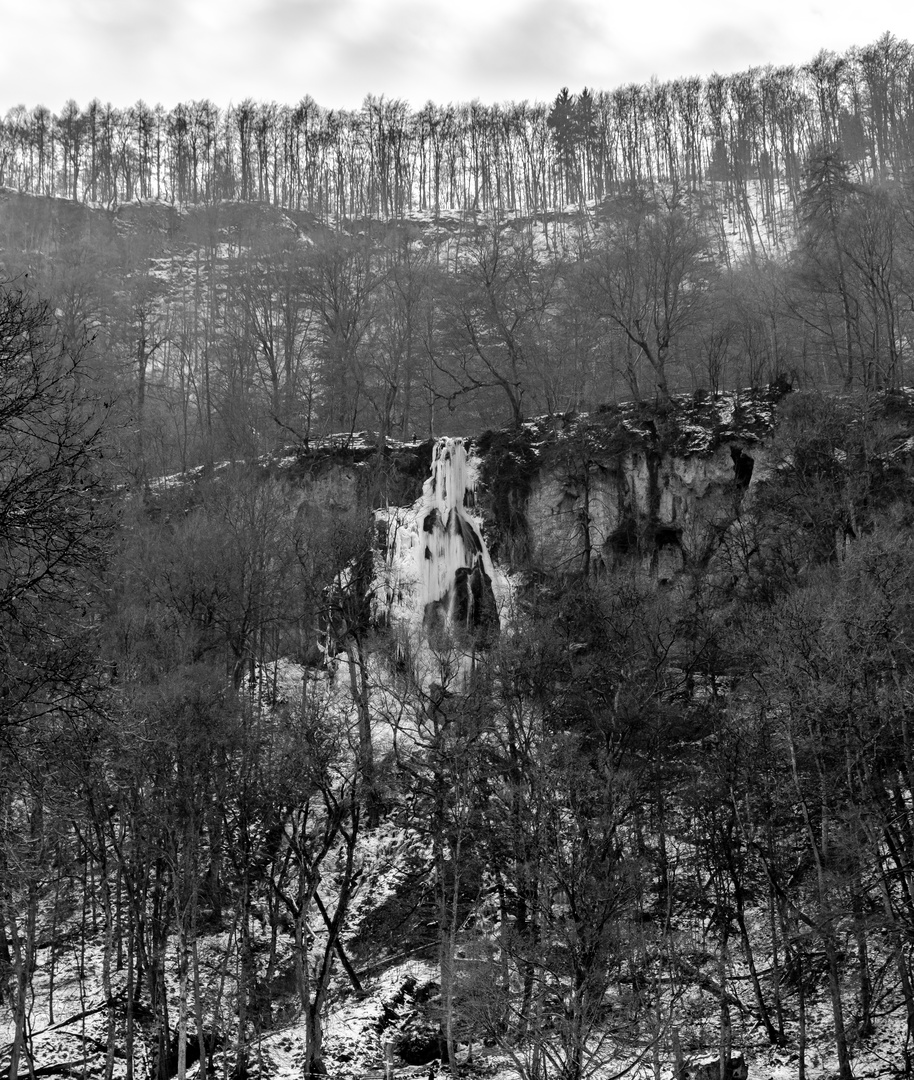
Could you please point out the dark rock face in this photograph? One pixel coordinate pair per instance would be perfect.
(743, 465)
(473, 604)
(509, 465)
(419, 1045)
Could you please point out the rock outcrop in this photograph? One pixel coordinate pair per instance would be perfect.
(631, 483)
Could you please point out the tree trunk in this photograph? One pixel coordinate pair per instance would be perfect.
(358, 681)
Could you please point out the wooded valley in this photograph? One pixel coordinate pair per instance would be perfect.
(656, 809)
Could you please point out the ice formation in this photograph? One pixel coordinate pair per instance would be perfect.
(455, 576)
(437, 566)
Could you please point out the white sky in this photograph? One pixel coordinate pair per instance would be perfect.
(444, 50)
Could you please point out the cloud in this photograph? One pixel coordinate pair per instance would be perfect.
(288, 20)
(390, 53)
(536, 44)
(444, 50)
(729, 47)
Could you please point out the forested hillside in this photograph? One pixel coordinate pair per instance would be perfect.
(576, 747)
(230, 321)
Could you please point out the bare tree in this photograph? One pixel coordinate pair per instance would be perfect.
(649, 273)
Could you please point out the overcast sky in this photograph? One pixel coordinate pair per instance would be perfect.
(444, 50)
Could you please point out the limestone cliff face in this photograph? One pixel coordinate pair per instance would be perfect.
(663, 510)
(632, 485)
(629, 485)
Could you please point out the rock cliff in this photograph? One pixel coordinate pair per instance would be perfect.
(644, 483)
(653, 486)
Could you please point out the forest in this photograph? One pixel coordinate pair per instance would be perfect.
(639, 821)
(387, 160)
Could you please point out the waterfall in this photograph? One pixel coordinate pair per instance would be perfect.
(437, 570)
(455, 569)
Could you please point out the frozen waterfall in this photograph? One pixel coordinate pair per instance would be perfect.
(437, 568)
(455, 572)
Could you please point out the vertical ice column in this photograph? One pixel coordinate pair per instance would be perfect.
(455, 569)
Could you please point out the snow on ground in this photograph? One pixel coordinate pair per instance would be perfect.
(356, 1029)
(70, 1024)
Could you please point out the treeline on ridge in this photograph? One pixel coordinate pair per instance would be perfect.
(387, 159)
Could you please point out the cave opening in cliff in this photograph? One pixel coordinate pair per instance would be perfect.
(743, 465)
